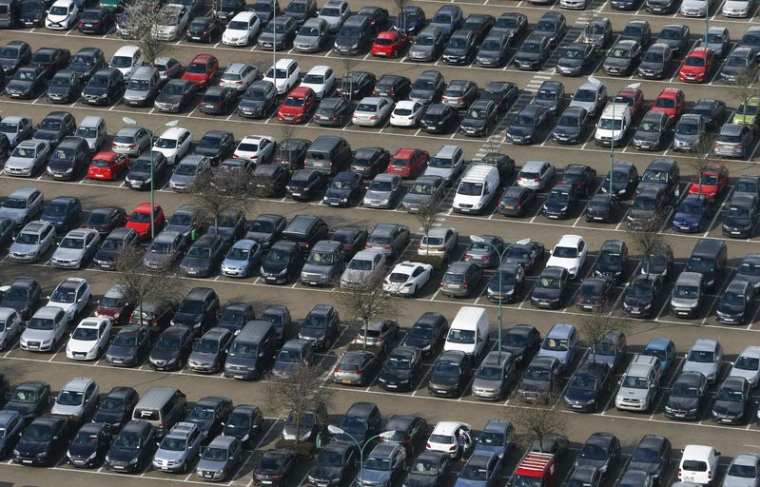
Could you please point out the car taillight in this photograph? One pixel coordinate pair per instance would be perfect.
(421, 247)
(373, 117)
(367, 245)
(427, 445)
(338, 371)
(537, 180)
(466, 286)
(235, 156)
(388, 247)
(453, 448)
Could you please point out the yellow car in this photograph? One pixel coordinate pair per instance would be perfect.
(747, 113)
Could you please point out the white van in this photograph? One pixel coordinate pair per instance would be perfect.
(614, 124)
(469, 331)
(699, 464)
(477, 188)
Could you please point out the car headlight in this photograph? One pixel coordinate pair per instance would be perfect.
(573, 270)
(649, 306)
(282, 272)
(133, 461)
(42, 455)
(694, 305)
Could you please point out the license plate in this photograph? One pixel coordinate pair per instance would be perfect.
(598, 218)
(577, 406)
(614, 70)
(26, 461)
(195, 37)
(266, 482)
(680, 415)
(525, 65)
(118, 361)
(345, 381)
(736, 233)
(238, 376)
(207, 475)
(296, 194)
(391, 386)
(453, 286)
(88, 25)
(544, 303)
(510, 207)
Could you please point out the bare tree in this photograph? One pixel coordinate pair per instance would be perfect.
(139, 25)
(401, 5)
(298, 393)
(287, 131)
(595, 326)
(746, 87)
(365, 301)
(140, 284)
(648, 240)
(701, 159)
(427, 215)
(537, 423)
(222, 189)
(349, 63)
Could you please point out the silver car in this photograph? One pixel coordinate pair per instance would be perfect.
(591, 96)
(335, 12)
(447, 163)
(22, 205)
(689, 133)
(210, 351)
(311, 36)
(493, 376)
(220, 459)
(16, 129)
(355, 367)
(187, 171)
(734, 140)
(363, 265)
(76, 248)
(179, 448)
(384, 191)
(242, 258)
(428, 45)
(131, 140)
(744, 471)
(373, 111)
(747, 365)
(32, 242)
(27, 158)
(239, 76)
(384, 466)
(77, 399)
(45, 330)
(694, 8)
(705, 357)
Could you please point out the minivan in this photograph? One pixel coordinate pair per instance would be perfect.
(162, 407)
(328, 154)
(306, 231)
(9, 13)
(143, 86)
(613, 125)
(477, 189)
(354, 36)
(699, 464)
(362, 421)
(687, 294)
(93, 130)
(469, 332)
(252, 351)
(709, 258)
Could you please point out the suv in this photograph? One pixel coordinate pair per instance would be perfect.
(179, 448)
(639, 385)
(198, 310)
(321, 326)
(362, 421)
(306, 231)
(324, 265)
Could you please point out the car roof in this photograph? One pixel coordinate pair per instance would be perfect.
(449, 427)
(705, 344)
(78, 384)
(128, 51)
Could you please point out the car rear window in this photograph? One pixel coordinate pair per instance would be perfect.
(694, 466)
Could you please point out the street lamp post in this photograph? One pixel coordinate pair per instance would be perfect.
(340, 431)
(172, 123)
(707, 20)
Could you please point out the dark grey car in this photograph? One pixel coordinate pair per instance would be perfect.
(428, 45)
(204, 256)
(622, 58)
(652, 132)
(324, 265)
(655, 61)
(210, 352)
(278, 34)
(426, 190)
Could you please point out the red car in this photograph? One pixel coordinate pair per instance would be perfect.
(139, 220)
(670, 101)
(107, 165)
(714, 181)
(116, 307)
(389, 44)
(408, 163)
(298, 106)
(634, 97)
(697, 65)
(202, 70)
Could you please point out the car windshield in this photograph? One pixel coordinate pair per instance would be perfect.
(611, 124)
(531, 47)
(425, 467)
(446, 368)
(38, 433)
(632, 382)
(538, 374)
(687, 292)
(490, 373)
(737, 62)
(474, 472)
(591, 451)
(186, 169)
(70, 398)
(730, 395)
(210, 345)
(110, 404)
(747, 109)
(314, 321)
(644, 204)
(199, 251)
(701, 356)
(743, 471)
(128, 441)
(164, 143)
(321, 258)
(72, 243)
(84, 438)
(700, 264)
(360, 264)
(425, 40)
(215, 454)
(620, 53)
(747, 363)
(684, 390)
(197, 68)
(690, 208)
(694, 61)
(173, 444)
(85, 334)
(203, 413)
(243, 350)
(583, 383)
(558, 196)
(549, 283)
(470, 189)
(640, 289)
(277, 28)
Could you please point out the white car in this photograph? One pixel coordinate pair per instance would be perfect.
(407, 113)
(738, 8)
(285, 76)
(570, 253)
(127, 59)
(747, 365)
(321, 79)
(256, 148)
(372, 111)
(89, 339)
(535, 175)
(242, 29)
(407, 278)
(45, 330)
(62, 15)
(694, 8)
(705, 357)
(73, 296)
(239, 76)
(10, 326)
(445, 438)
(174, 144)
(171, 22)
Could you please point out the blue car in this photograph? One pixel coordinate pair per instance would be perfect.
(345, 190)
(692, 215)
(664, 349)
(494, 440)
(63, 212)
(480, 471)
(411, 21)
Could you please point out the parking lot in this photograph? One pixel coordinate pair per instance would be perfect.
(56, 369)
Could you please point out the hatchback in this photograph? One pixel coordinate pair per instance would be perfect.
(461, 279)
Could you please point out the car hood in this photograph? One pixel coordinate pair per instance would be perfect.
(648, 136)
(581, 395)
(62, 410)
(418, 480)
(317, 269)
(728, 407)
(617, 62)
(395, 374)
(527, 56)
(58, 90)
(95, 90)
(706, 369)
(12, 214)
(570, 63)
(82, 451)
(650, 468)
(738, 222)
(567, 263)
(68, 254)
(521, 131)
(32, 448)
(234, 263)
(311, 332)
(107, 417)
(641, 215)
(164, 455)
(443, 381)
(555, 205)
(186, 319)
(195, 262)
(416, 48)
(473, 122)
(182, 179)
(489, 53)
(289, 432)
(487, 383)
(37, 335)
(533, 385)
(415, 342)
(377, 195)
(273, 268)
(373, 476)
(183, 229)
(337, 193)
(651, 66)
(203, 357)
(686, 218)
(673, 43)
(170, 99)
(122, 455)
(417, 199)
(153, 259)
(259, 237)
(455, 51)
(307, 40)
(686, 138)
(682, 403)
(17, 85)
(163, 355)
(81, 346)
(325, 473)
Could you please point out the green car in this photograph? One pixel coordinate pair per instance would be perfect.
(747, 112)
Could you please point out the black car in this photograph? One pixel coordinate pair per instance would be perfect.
(638, 30)
(460, 48)
(735, 304)
(576, 59)
(198, 310)
(106, 219)
(217, 145)
(235, 315)
(55, 127)
(269, 181)
(601, 451)
(334, 465)
(356, 85)
(427, 334)
(429, 469)
(332, 112)
(244, 423)
(32, 13)
(344, 190)
(550, 95)
(550, 288)
(540, 379)
(204, 256)
(581, 176)
(552, 25)
(64, 87)
(586, 390)
(676, 36)
(275, 468)
(741, 216)
(87, 61)
(622, 58)
(321, 326)
(291, 153)
(132, 449)
(218, 100)
(494, 50)
(712, 111)
(732, 401)
(353, 239)
(172, 348)
(393, 86)
(23, 295)
(203, 29)
(282, 263)
(259, 100)
(612, 260)
(410, 21)
(6, 230)
(480, 24)
(400, 369)
(561, 201)
(115, 409)
(642, 295)
(407, 430)
(687, 397)
(306, 184)
(210, 414)
(514, 24)
(70, 159)
(30, 399)
(14, 55)
(227, 9)
(378, 17)
(516, 200)
(51, 59)
(439, 119)
(506, 283)
(533, 53)
(450, 374)
(525, 127)
(89, 446)
(522, 341)
(648, 205)
(572, 126)
(625, 180)
(266, 229)
(104, 87)
(480, 118)
(527, 253)
(27, 83)
(176, 95)
(370, 161)
(96, 21)
(427, 88)
(652, 455)
(129, 347)
(603, 207)
(595, 294)
(42, 441)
